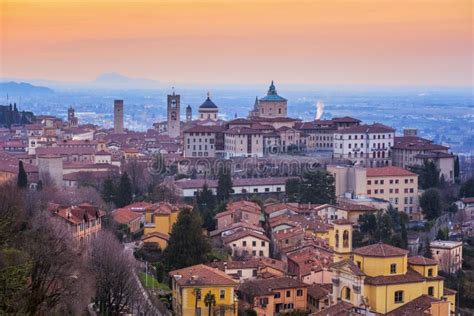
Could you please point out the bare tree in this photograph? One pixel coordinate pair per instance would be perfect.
(166, 193)
(58, 281)
(116, 286)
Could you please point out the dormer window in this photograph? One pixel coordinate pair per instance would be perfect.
(393, 268)
(430, 272)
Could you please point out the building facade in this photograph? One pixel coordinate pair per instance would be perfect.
(174, 104)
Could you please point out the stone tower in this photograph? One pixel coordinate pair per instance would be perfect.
(71, 117)
(173, 115)
(118, 116)
(189, 113)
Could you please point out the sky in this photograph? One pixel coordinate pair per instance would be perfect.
(379, 42)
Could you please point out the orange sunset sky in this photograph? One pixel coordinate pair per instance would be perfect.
(399, 42)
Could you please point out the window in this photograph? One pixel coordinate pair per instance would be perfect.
(222, 294)
(263, 244)
(239, 273)
(288, 293)
(369, 182)
(244, 243)
(393, 268)
(299, 292)
(431, 291)
(260, 253)
(277, 295)
(254, 252)
(358, 264)
(254, 243)
(254, 273)
(369, 192)
(347, 294)
(430, 272)
(399, 297)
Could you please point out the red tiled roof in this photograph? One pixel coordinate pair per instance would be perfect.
(389, 171)
(421, 261)
(244, 233)
(416, 143)
(263, 287)
(201, 275)
(410, 277)
(380, 250)
(374, 128)
(125, 215)
(155, 234)
(416, 307)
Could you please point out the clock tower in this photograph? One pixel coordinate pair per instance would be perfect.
(173, 115)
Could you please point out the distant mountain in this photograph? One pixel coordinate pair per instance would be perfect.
(115, 80)
(22, 88)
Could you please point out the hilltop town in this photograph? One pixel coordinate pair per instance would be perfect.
(258, 215)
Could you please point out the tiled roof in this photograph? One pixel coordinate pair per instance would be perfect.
(410, 277)
(468, 200)
(242, 131)
(370, 129)
(350, 264)
(416, 307)
(380, 250)
(339, 309)
(263, 287)
(198, 183)
(416, 143)
(247, 264)
(242, 234)
(201, 275)
(125, 215)
(155, 234)
(421, 261)
(389, 171)
(346, 119)
(317, 291)
(77, 213)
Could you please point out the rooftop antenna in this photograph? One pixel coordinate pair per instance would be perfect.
(172, 88)
(208, 94)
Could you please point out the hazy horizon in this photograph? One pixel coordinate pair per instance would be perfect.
(208, 42)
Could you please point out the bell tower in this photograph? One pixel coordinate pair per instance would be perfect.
(173, 115)
(189, 113)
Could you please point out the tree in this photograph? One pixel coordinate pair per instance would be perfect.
(292, 188)
(368, 224)
(224, 184)
(428, 253)
(428, 173)
(124, 191)
(443, 234)
(58, 281)
(22, 177)
(467, 188)
(112, 267)
(206, 204)
(456, 169)
(318, 188)
(431, 203)
(108, 190)
(165, 193)
(210, 301)
(187, 245)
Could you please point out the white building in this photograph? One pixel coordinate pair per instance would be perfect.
(248, 243)
(199, 141)
(243, 142)
(365, 145)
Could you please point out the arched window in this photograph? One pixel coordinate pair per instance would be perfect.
(345, 239)
(337, 238)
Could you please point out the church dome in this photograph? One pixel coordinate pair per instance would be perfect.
(208, 104)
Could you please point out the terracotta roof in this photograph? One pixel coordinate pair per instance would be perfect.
(339, 309)
(199, 183)
(370, 129)
(342, 221)
(263, 287)
(125, 215)
(468, 200)
(380, 250)
(416, 307)
(155, 234)
(389, 171)
(223, 265)
(237, 226)
(245, 233)
(416, 143)
(410, 277)
(447, 291)
(200, 275)
(317, 291)
(311, 259)
(76, 214)
(421, 261)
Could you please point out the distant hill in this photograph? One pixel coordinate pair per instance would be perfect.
(116, 80)
(22, 88)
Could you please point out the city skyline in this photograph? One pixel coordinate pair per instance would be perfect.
(308, 42)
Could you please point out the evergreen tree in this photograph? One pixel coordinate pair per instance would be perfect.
(429, 175)
(224, 184)
(456, 169)
(108, 190)
(317, 188)
(187, 244)
(467, 188)
(206, 204)
(428, 253)
(22, 181)
(124, 191)
(292, 189)
(431, 203)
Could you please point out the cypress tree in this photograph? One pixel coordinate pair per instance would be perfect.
(125, 192)
(224, 184)
(187, 244)
(22, 181)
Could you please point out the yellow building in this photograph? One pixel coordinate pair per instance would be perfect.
(396, 185)
(382, 278)
(338, 234)
(193, 288)
(159, 220)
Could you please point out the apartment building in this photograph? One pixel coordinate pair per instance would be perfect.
(448, 254)
(365, 145)
(396, 185)
(199, 141)
(243, 142)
